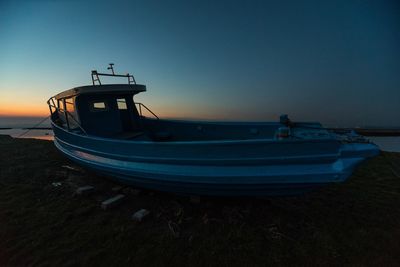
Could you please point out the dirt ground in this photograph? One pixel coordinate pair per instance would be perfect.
(43, 221)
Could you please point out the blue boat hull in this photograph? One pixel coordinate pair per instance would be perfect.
(230, 168)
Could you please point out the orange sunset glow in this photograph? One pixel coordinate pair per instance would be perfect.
(31, 110)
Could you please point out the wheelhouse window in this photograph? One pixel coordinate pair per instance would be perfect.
(60, 104)
(61, 111)
(98, 106)
(121, 103)
(69, 105)
(72, 116)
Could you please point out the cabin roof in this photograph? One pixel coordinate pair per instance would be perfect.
(103, 89)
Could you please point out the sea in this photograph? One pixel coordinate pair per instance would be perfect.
(16, 128)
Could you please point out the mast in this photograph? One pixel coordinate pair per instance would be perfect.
(96, 74)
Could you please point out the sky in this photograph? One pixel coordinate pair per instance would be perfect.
(337, 62)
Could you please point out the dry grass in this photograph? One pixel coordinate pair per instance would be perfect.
(354, 223)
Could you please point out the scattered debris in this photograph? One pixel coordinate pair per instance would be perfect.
(174, 228)
(112, 202)
(85, 190)
(140, 214)
(70, 168)
(195, 199)
(274, 233)
(56, 184)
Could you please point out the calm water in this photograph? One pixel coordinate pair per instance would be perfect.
(37, 134)
(22, 122)
(17, 123)
(385, 143)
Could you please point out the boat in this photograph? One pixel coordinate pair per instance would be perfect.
(102, 128)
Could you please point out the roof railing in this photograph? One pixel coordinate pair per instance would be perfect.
(96, 74)
(140, 106)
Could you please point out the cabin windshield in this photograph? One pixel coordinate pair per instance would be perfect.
(65, 113)
(109, 113)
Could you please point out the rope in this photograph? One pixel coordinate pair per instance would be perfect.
(31, 128)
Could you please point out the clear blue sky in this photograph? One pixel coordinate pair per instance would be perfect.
(337, 62)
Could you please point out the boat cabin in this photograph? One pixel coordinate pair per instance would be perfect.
(102, 110)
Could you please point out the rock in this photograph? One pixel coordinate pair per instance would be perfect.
(70, 168)
(85, 190)
(112, 202)
(140, 214)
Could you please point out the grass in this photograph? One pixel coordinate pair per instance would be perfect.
(354, 223)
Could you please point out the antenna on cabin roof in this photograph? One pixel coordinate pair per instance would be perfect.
(111, 68)
(95, 75)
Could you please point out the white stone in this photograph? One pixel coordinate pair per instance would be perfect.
(84, 190)
(140, 214)
(56, 184)
(70, 168)
(112, 202)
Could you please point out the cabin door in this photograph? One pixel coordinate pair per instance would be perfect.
(124, 115)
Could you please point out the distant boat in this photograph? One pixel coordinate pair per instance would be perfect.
(102, 128)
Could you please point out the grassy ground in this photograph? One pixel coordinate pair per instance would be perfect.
(355, 223)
